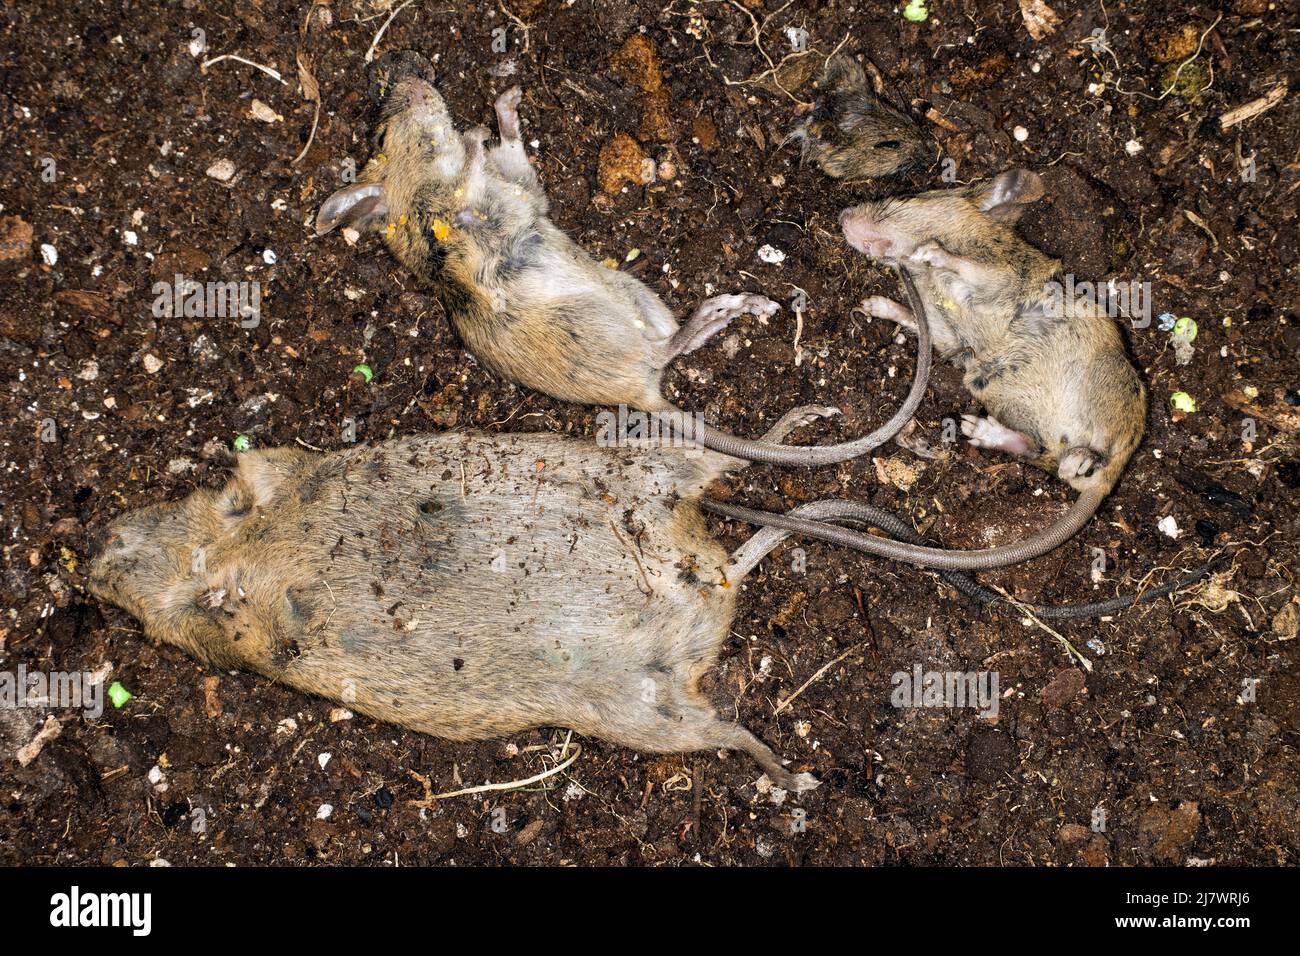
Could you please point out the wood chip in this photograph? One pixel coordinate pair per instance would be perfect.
(1253, 108)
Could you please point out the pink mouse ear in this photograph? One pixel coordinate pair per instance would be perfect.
(1005, 195)
(361, 205)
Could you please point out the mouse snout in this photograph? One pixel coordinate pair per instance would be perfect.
(865, 233)
(416, 97)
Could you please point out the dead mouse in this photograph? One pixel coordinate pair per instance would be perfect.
(850, 134)
(471, 224)
(462, 585)
(1054, 375)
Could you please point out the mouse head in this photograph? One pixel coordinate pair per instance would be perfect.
(974, 222)
(174, 566)
(417, 146)
(852, 135)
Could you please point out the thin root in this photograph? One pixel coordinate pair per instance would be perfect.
(429, 796)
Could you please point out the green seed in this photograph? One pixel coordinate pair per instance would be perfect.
(916, 12)
(365, 371)
(243, 443)
(1185, 328)
(118, 694)
(1183, 402)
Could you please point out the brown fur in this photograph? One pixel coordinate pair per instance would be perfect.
(470, 222)
(461, 585)
(851, 134)
(1063, 381)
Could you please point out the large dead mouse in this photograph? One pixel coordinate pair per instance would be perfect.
(1058, 385)
(471, 224)
(850, 134)
(462, 585)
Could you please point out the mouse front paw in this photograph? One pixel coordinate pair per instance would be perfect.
(932, 254)
(883, 307)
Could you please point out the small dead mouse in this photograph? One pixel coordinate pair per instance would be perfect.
(850, 134)
(471, 224)
(1054, 375)
(462, 585)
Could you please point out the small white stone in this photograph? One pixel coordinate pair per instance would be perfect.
(269, 257)
(1133, 147)
(260, 111)
(49, 255)
(222, 170)
(130, 238)
(324, 759)
(1020, 133)
(89, 370)
(340, 713)
(770, 254)
(325, 811)
(1169, 526)
(199, 45)
(152, 363)
(286, 726)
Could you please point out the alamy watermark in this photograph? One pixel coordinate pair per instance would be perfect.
(946, 689)
(1067, 298)
(191, 299)
(633, 429)
(56, 690)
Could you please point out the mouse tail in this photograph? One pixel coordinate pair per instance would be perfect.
(811, 456)
(1066, 527)
(749, 554)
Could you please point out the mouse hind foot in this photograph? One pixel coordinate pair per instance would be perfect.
(507, 110)
(679, 726)
(712, 316)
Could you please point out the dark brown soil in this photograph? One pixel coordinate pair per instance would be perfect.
(1159, 737)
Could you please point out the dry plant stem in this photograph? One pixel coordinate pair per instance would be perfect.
(370, 53)
(428, 798)
(783, 704)
(203, 67)
(1070, 648)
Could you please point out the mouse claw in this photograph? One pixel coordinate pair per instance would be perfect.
(1079, 463)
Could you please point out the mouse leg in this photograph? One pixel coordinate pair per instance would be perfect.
(474, 174)
(969, 273)
(883, 307)
(680, 727)
(941, 335)
(712, 316)
(988, 432)
(509, 156)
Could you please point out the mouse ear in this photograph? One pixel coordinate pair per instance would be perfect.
(1005, 195)
(361, 205)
